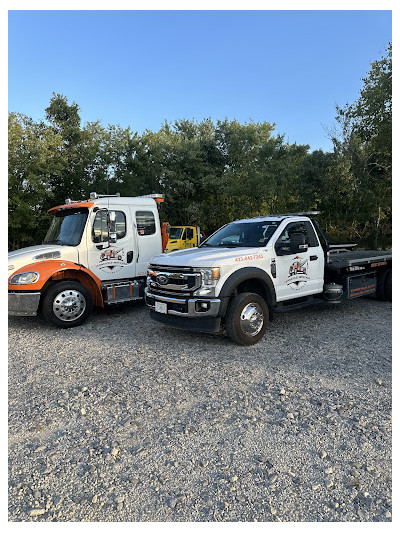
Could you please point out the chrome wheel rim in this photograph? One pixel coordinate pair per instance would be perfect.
(69, 305)
(252, 319)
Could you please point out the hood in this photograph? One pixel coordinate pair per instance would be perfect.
(25, 256)
(203, 257)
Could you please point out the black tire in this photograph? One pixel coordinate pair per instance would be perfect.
(388, 285)
(384, 285)
(67, 304)
(247, 331)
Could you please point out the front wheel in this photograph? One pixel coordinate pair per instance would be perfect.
(247, 318)
(67, 304)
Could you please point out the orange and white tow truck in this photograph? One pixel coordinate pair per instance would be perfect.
(96, 252)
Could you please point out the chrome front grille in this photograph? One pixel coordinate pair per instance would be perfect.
(173, 279)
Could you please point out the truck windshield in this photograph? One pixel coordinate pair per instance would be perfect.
(67, 227)
(243, 234)
(175, 233)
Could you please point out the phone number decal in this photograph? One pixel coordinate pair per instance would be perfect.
(249, 257)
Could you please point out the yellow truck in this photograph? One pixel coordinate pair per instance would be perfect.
(181, 237)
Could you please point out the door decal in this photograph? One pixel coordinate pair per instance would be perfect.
(112, 259)
(298, 273)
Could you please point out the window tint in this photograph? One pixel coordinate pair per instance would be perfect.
(244, 234)
(294, 227)
(67, 227)
(283, 243)
(313, 241)
(100, 230)
(145, 221)
(120, 224)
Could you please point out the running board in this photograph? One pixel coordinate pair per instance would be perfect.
(291, 305)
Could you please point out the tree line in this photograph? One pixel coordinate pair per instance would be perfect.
(211, 173)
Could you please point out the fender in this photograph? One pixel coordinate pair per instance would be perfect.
(56, 270)
(244, 274)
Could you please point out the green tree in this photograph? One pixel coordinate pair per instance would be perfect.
(34, 162)
(366, 142)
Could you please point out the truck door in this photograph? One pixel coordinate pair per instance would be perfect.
(298, 274)
(148, 235)
(115, 261)
(190, 238)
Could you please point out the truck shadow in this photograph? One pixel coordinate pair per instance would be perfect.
(353, 337)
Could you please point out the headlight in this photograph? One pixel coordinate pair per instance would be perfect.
(209, 276)
(24, 278)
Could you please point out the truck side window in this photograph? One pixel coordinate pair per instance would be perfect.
(120, 224)
(313, 240)
(189, 233)
(100, 230)
(145, 221)
(282, 245)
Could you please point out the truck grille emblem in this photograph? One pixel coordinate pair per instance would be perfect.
(161, 279)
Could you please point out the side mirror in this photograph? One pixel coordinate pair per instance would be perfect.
(298, 243)
(112, 236)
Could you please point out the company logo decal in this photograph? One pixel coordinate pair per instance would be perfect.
(112, 259)
(298, 273)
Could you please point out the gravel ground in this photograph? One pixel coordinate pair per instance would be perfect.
(123, 419)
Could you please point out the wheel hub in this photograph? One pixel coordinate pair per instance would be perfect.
(69, 305)
(251, 319)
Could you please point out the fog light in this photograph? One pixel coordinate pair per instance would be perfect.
(202, 306)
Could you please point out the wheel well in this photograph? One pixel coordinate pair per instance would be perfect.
(77, 276)
(256, 286)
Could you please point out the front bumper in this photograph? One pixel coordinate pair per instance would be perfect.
(23, 303)
(185, 307)
(186, 313)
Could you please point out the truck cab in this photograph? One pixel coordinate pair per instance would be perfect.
(249, 268)
(95, 252)
(182, 237)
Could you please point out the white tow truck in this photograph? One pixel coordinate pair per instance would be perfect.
(246, 270)
(96, 252)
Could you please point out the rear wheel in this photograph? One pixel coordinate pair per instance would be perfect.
(388, 285)
(384, 285)
(67, 304)
(247, 318)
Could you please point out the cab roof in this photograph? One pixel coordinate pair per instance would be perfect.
(106, 201)
(277, 218)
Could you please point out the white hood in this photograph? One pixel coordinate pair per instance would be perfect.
(25, 256)
(204, 256)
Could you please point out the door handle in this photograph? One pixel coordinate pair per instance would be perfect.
(129, 257)
(313, 257)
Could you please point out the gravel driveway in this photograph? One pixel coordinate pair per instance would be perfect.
(123, 419)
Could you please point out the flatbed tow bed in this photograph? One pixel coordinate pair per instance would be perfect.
(340, 260)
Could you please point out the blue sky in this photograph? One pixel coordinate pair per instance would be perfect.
(138, 68)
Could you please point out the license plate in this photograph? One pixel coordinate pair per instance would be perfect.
(161, 307)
